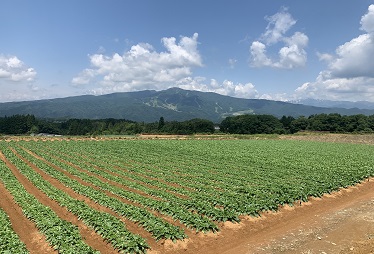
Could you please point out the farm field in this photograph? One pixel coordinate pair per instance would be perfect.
(159, 196)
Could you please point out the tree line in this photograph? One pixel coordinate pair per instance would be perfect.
(336, 123)
(29, 124)
(243, 124)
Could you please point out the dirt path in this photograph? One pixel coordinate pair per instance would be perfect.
(339, 223)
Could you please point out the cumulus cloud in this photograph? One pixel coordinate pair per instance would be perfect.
(13, 69)
(278, 25)
(354, 58)
(227, 87)
(367, 21)
(291, 55)
(142, 67)
(258, 52)
(349, 74)
(355, 89)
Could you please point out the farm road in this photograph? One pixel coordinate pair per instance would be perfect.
(342, 222)
(338, 223)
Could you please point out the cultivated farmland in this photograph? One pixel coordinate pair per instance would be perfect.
(87, 196)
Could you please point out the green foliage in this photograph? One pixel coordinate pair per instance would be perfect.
(17, 124)
(257, 124)
(241, 124)
(196, 182)
(62, 235)
(9, 240)
(108, 226)
(161, 123)
(251, 124)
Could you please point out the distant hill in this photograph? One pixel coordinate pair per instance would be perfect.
(173, 104)
(336, 104)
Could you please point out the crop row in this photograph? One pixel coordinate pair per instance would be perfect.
(9, 240)
(245, 176)
(168, 207)
(197, 204)
(196, 182)
(62, 235)
(108, 226)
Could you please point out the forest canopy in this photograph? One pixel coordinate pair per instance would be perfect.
(242, 124)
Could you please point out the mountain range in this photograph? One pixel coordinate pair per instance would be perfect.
(336, 104)
(172, 104)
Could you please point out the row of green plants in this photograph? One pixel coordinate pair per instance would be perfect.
(108, 226)
(9, 240)
(62, 235)
(156, 226)
(198, 183)
(170, 205)
(235, 176)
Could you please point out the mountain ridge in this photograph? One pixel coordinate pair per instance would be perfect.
(172, 104)
(336, 104)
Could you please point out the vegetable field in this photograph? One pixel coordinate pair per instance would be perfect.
(130, 196)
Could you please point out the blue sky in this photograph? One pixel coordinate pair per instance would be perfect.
(280, 50)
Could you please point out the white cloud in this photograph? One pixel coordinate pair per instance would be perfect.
(292, 55)
(349, 75)
(278, 25)
(354, 89)
(227, 87)
(84, 77)
(258, 52)
(142, 67)
(13, 69)
(4, 73)
(325, 57)
(277, 97)
(354, 58)
(367, 21)
(14, 62)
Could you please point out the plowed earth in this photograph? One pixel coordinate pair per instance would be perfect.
(342, 222)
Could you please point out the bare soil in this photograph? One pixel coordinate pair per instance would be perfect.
(333, 137)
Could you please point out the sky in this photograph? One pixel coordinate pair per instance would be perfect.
(270, 49)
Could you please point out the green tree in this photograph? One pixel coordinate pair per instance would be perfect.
(299, 124)
(161, 123)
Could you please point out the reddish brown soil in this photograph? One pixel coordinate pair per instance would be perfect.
(26, 230)
(155, 247)
(342, 222)
(89, 236)
(339, 223)
(331, 224)
(131, 226)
